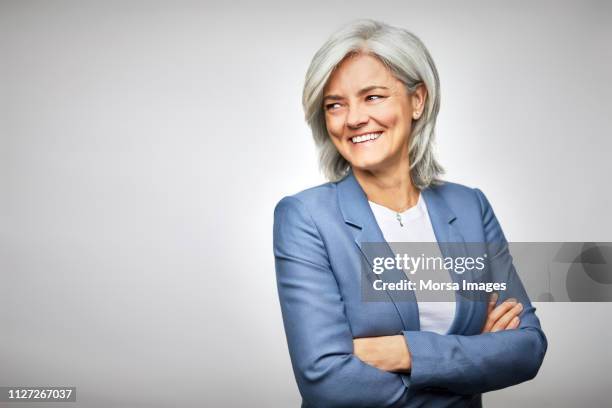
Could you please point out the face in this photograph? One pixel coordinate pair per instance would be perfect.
(369, 113)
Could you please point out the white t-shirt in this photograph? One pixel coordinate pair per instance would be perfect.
(433, 316)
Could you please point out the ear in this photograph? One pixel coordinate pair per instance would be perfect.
(417, 99)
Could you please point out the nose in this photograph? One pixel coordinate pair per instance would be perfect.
(356, 117)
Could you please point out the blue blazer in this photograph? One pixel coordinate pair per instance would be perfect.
(318, 236)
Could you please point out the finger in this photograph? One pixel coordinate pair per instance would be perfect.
(505, 320)
(498, 312)
(492, 302)
(502, 308)
(514, 323)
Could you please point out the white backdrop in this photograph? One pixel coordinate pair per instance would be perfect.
(143, 146)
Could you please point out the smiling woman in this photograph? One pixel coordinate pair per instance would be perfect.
(371, 98)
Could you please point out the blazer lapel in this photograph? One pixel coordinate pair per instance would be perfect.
(357, 213)
(451, 244)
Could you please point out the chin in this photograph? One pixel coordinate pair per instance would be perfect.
(369, 158)
(366, 165)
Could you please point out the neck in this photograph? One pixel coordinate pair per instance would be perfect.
(392, 188)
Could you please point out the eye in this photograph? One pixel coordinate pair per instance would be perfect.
(332, 106)
(374, 97)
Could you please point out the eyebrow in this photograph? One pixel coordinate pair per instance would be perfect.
(361, 92)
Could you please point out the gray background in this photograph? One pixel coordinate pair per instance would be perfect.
(143, 146)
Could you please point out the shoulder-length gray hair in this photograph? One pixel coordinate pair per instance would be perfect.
(409, 61)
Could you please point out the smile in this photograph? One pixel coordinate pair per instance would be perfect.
(365, 138)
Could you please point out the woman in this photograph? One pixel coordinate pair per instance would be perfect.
(371, 98)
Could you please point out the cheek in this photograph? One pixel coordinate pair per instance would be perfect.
(391, 118)
(385, 116)
(334, 124)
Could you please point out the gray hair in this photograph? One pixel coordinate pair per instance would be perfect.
(408, 60)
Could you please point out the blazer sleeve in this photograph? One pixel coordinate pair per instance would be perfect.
(488, 361)
(320, 341)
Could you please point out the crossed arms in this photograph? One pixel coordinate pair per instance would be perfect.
(322, 348)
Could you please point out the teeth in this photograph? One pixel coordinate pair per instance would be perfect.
(364, 138)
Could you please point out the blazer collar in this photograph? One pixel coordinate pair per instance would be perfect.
(356, 211)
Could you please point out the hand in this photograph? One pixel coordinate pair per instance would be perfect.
(502, 317)
(388, 353)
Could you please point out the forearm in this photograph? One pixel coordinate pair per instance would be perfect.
(475, 364)
(463, 364)
(388, 353)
